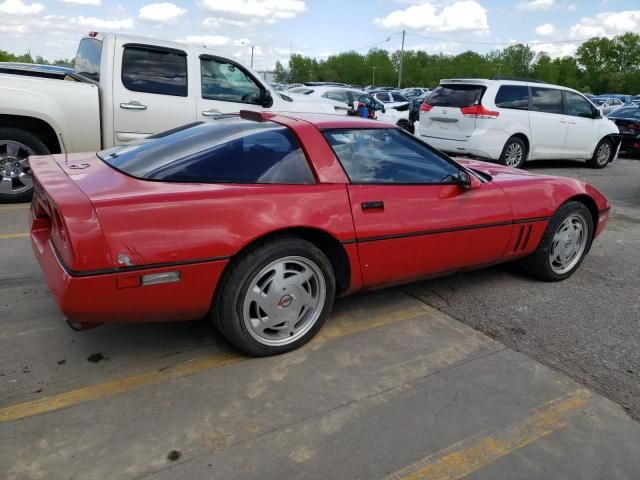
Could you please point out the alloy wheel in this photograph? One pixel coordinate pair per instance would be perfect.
(284, 300)
(604, 152)
(569, 243)
(513, 155)
(15, 173)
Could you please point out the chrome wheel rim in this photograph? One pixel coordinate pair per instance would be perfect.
(604, 152)
(568, 244)
(513, 155)
(284, 301)
(15, 174)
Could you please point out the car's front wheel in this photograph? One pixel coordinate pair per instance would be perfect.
(275, 298)
(564, 244)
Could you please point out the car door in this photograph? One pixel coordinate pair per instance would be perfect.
(548, 123)
(150, 91)
(227, 87)
(412, 219)
(582, 128)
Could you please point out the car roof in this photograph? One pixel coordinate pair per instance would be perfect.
(328, 121)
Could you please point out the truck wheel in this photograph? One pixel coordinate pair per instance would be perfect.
(275, 297)
(16, 146)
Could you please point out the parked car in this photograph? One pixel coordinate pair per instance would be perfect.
(627, 119)
(416, 103)
(258, 222)
(122, 88)
(414, 92)
(392, 99)
(607, 104)
(514, 121)
(394, 114)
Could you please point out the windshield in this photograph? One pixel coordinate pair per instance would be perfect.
(626, 112)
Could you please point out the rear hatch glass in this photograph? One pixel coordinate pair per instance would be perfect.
(445, 120)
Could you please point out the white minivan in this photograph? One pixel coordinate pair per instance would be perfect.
(513, 121)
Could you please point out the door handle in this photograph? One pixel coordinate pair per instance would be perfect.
(133, 106)
(375, 205)
(212, 113)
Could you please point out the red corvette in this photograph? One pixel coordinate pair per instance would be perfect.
(259, 221)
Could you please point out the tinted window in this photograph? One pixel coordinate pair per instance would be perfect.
(546, 100)
(513, 96)
(388, 156)
(383, 97)
(337, 95)
(227, 82)
(155, 71)
(456, 95)
(577, 106)
(300, 90)
(227, 151)
(399, 98)
(87, 61)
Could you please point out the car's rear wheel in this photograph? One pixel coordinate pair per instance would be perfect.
(514, 153)
(564, 244)
(16, 146)
(602, 154)
(275, 298)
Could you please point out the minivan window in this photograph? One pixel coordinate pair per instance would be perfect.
(152, 70)
(577, 106)
(513, 96)
(228, 151)
(456, 95)
(548, 100)
(87, 62)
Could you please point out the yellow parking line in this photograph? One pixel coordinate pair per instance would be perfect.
(134, 382)
(463, 458)
(14, 235)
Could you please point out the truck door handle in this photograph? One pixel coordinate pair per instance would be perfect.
(212, 113)
(133, 106)
(375, 205)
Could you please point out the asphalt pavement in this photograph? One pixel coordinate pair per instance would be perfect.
(587, 326)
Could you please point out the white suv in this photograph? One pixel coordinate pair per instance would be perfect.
(515, 121)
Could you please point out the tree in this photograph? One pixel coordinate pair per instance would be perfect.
(517, 60)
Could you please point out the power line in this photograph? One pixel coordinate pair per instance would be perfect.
(536, 42)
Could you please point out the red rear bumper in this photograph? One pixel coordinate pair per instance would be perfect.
(105, 297)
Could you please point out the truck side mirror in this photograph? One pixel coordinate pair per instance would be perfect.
(267, 99)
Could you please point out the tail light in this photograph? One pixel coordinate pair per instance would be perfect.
(478, 111)
(633, 126)
(425, 107)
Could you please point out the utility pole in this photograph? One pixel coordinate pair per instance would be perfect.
(252, 56)
(373, 77)
(310, 72)
(401, 60)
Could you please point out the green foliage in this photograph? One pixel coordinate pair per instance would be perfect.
(27, 58)
(600, 65)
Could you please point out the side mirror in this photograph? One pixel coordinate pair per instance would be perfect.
(267, 99)
(597, 114)
(464, 180)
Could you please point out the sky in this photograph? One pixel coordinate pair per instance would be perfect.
(317, 28)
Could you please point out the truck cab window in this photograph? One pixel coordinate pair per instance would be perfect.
(155, 71)
(227, 82)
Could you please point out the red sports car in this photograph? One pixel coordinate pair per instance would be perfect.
(260, 220)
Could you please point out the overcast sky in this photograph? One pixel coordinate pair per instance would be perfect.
(318, 28)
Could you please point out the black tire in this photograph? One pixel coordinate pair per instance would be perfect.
(406, 126)
(31, 141)
(227, 309)
(513, 145)
(598, 160)
(539, 263)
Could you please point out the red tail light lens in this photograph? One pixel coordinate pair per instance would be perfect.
(478, 111)
(425, 107)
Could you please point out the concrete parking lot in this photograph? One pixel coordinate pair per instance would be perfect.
(400, 383)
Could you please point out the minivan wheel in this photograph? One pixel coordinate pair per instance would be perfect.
(16, 146)
(514, 153)
(275, 298)
(602, 155)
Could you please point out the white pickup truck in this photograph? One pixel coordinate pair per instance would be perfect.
(122, 88)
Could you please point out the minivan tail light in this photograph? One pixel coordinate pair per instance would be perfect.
(425, 107)
(478, 111)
